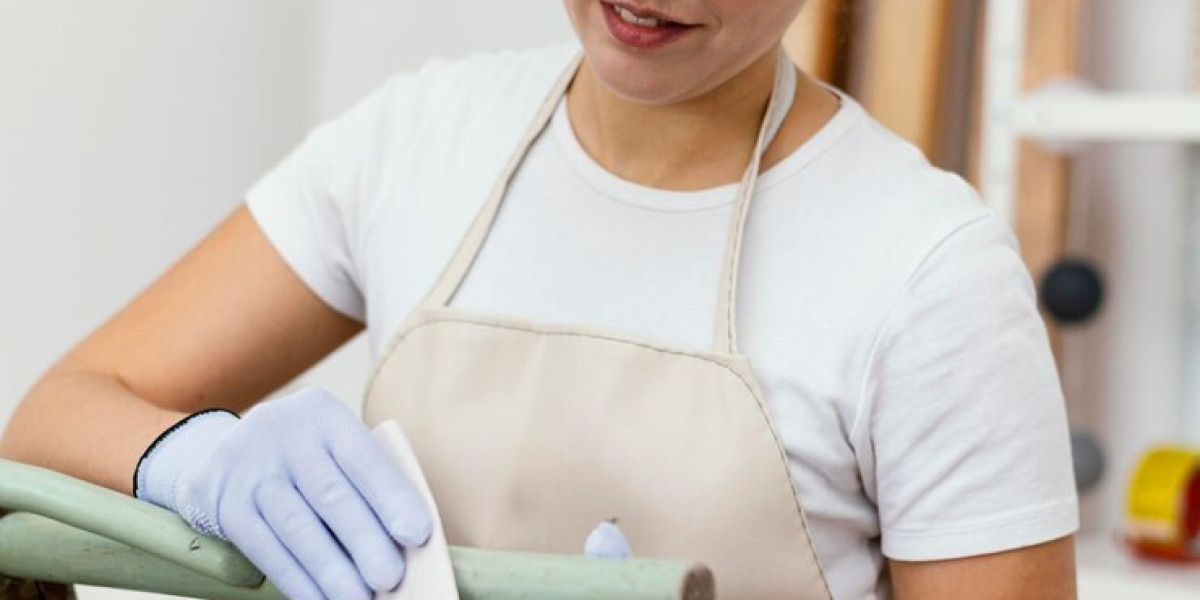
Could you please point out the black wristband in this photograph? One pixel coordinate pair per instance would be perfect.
(162, 436)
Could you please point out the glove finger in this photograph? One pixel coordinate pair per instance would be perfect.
(384, 486)
(352, 522)
(606, 541)
(255, 539)
(305, 536)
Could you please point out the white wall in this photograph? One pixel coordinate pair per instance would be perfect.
(1190, 417)
(129, 128)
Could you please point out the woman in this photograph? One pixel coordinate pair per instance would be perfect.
(561, 275)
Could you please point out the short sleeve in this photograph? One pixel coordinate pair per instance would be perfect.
(312, 206)
(964, 409)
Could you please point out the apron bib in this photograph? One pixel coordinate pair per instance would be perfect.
(531, 434)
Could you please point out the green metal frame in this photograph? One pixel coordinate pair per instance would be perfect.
(69, 531)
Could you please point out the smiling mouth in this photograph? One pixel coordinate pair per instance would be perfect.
(642, 28)
(645, 18)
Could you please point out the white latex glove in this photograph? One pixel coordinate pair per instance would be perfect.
(606, 541)
(300, 486)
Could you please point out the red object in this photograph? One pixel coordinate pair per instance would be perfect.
(1191, 513)
(1188, 551)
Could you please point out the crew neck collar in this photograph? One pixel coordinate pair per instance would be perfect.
(651, 198)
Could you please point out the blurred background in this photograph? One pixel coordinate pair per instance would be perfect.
(129, 128)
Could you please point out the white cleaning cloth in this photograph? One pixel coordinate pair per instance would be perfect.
(429, 574)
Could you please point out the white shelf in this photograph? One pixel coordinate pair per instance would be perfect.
(1010, 114)
(1107, 572)
(1109, 116)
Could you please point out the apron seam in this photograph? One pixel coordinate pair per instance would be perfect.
(748, 384)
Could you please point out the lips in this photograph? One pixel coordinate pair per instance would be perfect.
(642, 28)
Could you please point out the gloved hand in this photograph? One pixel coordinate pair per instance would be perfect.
(300, 486)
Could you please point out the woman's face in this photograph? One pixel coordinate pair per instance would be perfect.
(674, 50)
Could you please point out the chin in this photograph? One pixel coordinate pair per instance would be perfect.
(640, 79)
(690, 48)
(651, 76)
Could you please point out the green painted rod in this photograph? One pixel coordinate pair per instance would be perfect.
(117, 541)
(119, 517)
(36, 548)
(492, 575)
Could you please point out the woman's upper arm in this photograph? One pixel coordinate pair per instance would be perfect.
(964, 415)
(1042, 572)
(225, 326)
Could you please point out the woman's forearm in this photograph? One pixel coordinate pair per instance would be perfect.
(85, 424)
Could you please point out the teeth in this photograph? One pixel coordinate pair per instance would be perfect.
(628, 16)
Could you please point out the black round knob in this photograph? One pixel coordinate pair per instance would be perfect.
(1088, 458)
(1072, 291)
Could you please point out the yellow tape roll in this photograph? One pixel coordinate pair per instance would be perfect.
(1161, 506)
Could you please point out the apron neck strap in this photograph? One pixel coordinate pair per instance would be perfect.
(782, 96)
(468, 249)
(724, 334)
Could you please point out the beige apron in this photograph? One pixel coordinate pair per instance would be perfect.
(530, 434)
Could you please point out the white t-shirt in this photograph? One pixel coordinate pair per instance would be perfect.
(885, 309)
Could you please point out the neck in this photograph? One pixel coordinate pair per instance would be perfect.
(693, 144)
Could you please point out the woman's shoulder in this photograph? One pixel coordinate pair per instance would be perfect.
(886, 180)
(449, 111)
(890, 207)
